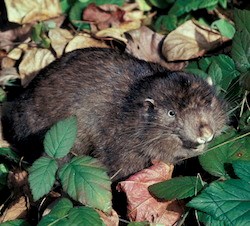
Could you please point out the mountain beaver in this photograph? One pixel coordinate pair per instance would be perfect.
(129, 111)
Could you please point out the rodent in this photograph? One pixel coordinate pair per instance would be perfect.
(129, 111)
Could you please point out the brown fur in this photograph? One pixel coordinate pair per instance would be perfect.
(122, 106)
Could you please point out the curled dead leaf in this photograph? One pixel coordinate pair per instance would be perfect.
(111, 220)
(33, 61)
(23, 11)
(146, 44)
(83, 41)
(141, 205)
(189, 41)
(59, 39)
(18, 209)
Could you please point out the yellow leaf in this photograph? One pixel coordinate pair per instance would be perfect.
(33, 61)
(59, 39)
(83, 41)
(190, 41)
(23, 11)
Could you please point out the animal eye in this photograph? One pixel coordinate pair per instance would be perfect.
(171, 113)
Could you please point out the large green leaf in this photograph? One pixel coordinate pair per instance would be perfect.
(242, 169)
(84, 216)
(225, 149)
(209, 220)
(176, 188)
(185, 6)
(42, 176)
(241, 44)
(58, 215)
(87, 182)
(228, 201)
(60, 138)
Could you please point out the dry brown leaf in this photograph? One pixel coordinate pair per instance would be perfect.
(7, 62)
(103, 16)
(189, 41)
(17, 52)
(145, 44)
(110, 220)
(7, 38)
(83, 41)
(59, 39)
(16, 211)
(33, 61)
(141, 205)
(23, 11)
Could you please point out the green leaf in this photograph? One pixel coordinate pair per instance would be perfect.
(2, 95)
(176, 188)
(185, 6)
(15, 223)
(226, 148)
(241, 44)
(10, 154)
(221, 69)
(165, 23)
(242, 169)
(87, 182)
(58, 215)
(223, 3)
(75, 15)
(42, 176)
(209, 220)
(228, 201)
(39, 37)
(60, 138)
(66, 5)
(224, 27)
(85, 216)
(3, 176)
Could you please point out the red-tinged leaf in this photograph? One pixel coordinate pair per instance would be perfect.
(111, 219)
(141, 205)
(104, 16)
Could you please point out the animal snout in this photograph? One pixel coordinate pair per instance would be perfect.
(206, 134)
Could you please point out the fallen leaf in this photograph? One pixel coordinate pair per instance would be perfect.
(8, 74)
(144, 207)
(17, 210)
(146, 45)
(189, 41)
(23, 11)
(33, 61)
(17, 52)
(103, 16)
(83, 41)
(9, 37)
(111, 220)
(59, 39)
(7, 62)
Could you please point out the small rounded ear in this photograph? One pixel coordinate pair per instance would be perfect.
(149, 104)
(209, 81)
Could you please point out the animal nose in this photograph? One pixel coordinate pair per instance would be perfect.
(206, 135)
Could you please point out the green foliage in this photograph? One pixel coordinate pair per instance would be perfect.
(63, 213)
(83, 178)
(38, 35)
(60, 138)
(227, 201)
(225, 149)
(42, 176)
(225, 28)
(177, 188)
(15, 223)
(221, 69)
(3, 176)
(9, 154)
(87, 182)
